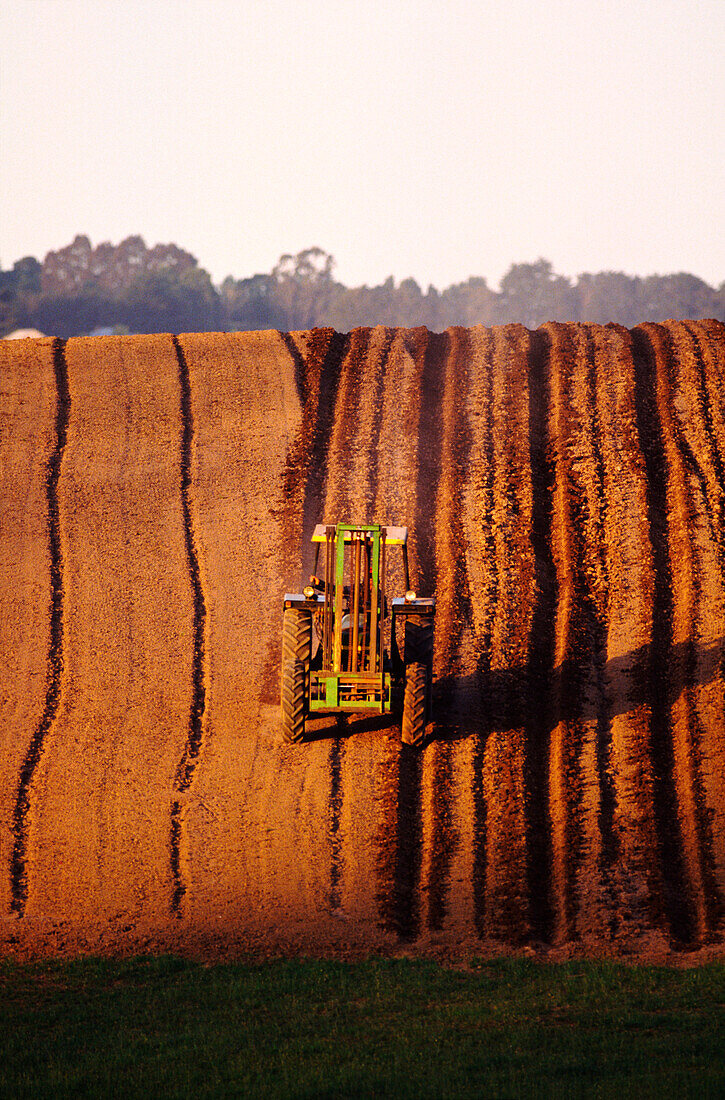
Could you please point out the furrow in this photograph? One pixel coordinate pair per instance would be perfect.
(579, 704)
(195, 736)
(708, 338)
(104, 793)
(699, 621)
(317, 357)
(398, 786)
(691, 341)
(669, 660)
(482, 571)
(711, 338)
(303, 389)
(565, 551)
(353, 762)
(540, 662)
(258, 812)
(442, 573)
(457, 698)
(369, 456)
(28, 439)
(575, 622)
(55, 662)
(326, 354)
(338, 504)
(601, 380)
(344, 429)
(503, 665)
(628, 453)
(399, 841)
(432, 573)
(692, 458)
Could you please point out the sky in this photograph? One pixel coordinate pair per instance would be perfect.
(433, 139)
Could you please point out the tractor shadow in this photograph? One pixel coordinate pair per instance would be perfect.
(529, 702)
(333, 726)
(499, 700)
(579, 689)
(520, 702)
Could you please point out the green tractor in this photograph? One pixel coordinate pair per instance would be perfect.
(350, 670)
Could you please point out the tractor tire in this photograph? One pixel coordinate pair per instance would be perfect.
(418, 645)
(296, 654)
(294, 699)
(418, 661)
(415, 704)
(297, 636)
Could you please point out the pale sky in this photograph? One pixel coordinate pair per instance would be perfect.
(436, 139)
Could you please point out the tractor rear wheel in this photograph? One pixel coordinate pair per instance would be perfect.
(296, 652)
(294, 698)
(418, 661)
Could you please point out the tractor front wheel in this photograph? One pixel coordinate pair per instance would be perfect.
(418, 670)
(296, 653)
(415, 703)
(294, 683)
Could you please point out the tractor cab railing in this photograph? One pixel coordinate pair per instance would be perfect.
(352, 591)
(352, 611)
(345, 606)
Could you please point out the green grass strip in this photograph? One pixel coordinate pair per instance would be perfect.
(303, 1028)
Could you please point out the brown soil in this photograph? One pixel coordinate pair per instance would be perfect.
(565, 495)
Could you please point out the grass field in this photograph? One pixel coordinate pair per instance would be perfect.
(508, 1028)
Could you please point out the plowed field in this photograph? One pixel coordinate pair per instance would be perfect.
(565, 495)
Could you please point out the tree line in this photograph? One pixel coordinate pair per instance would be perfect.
(132, 288)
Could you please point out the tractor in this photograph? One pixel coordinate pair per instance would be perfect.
(348, 668)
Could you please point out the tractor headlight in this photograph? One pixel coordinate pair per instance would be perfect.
(409, 596)
(309, 592)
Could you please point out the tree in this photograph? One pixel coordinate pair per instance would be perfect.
(532, 294)
(675, 297)
(469, 303)
(79, 288)
(311, 266)
(161, 289)
(162, 301)
(26, 275)
(18, 289)
(606, 296)
(251, 303)
(69, 268)
(73, 314)
(304, 287)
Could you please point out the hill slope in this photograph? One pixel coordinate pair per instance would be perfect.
(564, 491)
